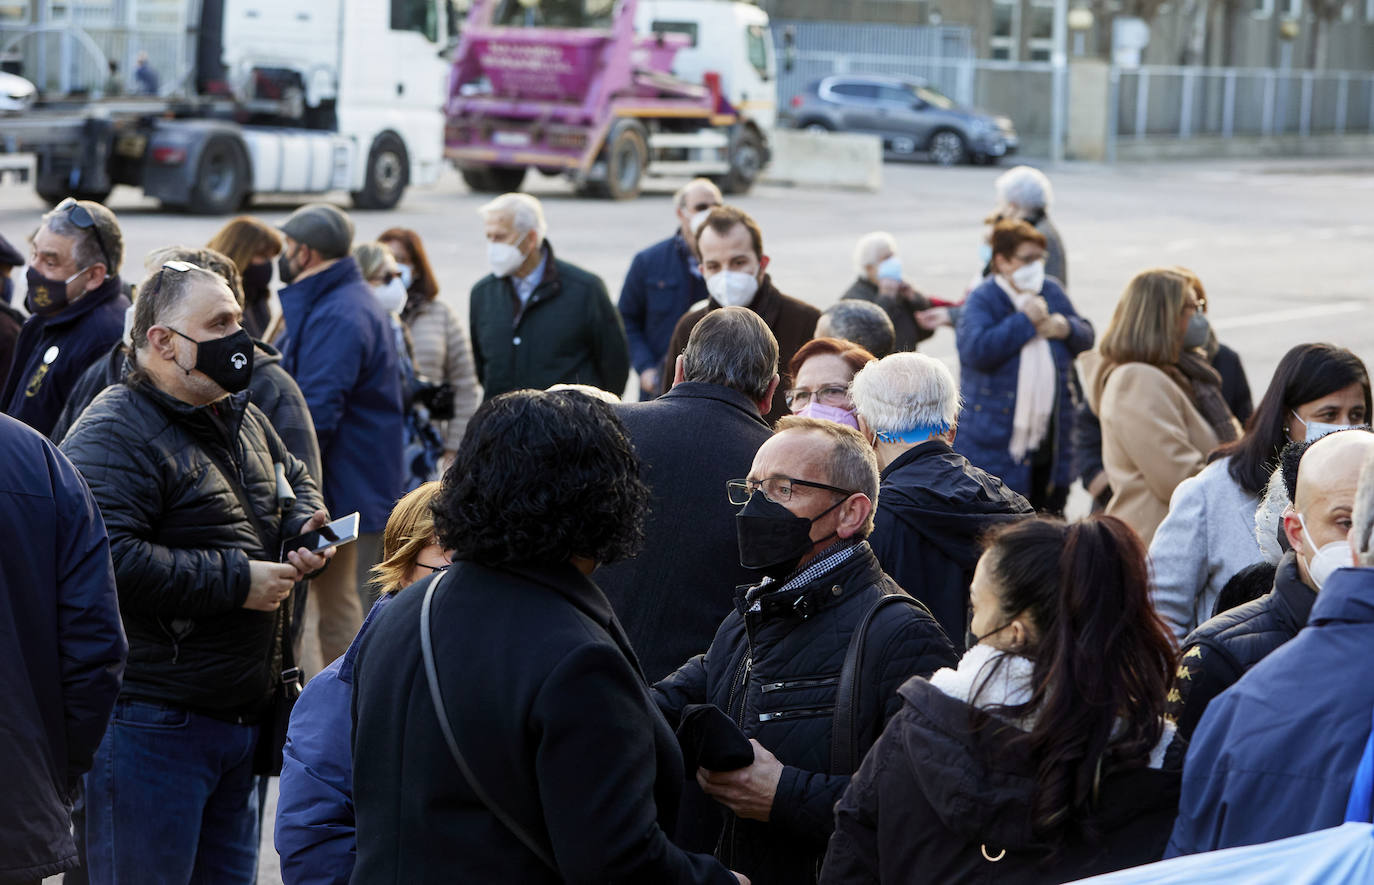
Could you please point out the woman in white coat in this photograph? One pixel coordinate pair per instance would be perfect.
(1209, 533)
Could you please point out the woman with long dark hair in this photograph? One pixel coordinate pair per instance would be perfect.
(1045, 756)
(1209, 534)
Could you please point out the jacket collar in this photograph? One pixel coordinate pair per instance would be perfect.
(915, 453)
(718, 393)
(767, 302)
(1348, 596)
(103, 294)
(218, 422)
(812, 598)
(1292, 597)
(298, 299)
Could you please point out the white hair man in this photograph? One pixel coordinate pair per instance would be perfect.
(1023, 192)
(537, 320)
(880, 281)
(933, 505)
(1275, 754)
(663, 283)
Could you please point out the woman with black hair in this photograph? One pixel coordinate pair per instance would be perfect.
(1045, 756)
(1209, 533)
(503, 731)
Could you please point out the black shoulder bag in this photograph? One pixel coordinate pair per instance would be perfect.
(445, 726)
(844, 759)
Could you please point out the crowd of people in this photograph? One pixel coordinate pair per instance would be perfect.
(807, 610)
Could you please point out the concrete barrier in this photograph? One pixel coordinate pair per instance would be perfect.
(826, 159)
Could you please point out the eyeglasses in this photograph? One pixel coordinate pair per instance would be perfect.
(775, 488)
(799, 397)
(434, 568)
(78, 215)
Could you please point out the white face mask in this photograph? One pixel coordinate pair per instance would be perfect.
(504, 258)
(733, 288)
(1029, 278)
(407, 274)
(1329, 558)
(698, 220)
(1316, 429)
(391, 296)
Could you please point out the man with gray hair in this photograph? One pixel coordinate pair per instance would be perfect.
(778, 662)
(672, 596)
(933, 506)
(1024, 193)
(76, 307)
(198, 494)
(880, 282)
(859, 322)
(1275, 755)
(537, 320)
(663, 283)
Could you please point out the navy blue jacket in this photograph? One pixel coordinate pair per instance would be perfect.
(340, 349)
(990, 336)
(53, 351)
(659, 288)
(1275, 754)
(316, 835)
(62, 649)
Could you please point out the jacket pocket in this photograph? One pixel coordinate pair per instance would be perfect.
(796, 713)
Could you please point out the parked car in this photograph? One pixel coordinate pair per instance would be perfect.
(16, 93)
(908, 114)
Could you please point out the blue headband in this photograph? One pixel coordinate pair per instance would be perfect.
(914, 435)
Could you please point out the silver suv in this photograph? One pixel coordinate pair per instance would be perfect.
(907, 113)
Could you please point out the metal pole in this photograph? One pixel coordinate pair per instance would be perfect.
(1342, 100)
(1059, 58)
(1185, 109)
(1142, 101)
(1228, 105)
(1305, 111)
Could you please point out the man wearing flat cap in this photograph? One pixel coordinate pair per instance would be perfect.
(339, 347)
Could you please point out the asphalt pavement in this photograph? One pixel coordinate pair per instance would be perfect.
(1283, 246)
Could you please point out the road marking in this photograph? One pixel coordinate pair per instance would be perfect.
(1290, 315)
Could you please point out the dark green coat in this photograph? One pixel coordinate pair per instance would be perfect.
(569, 332)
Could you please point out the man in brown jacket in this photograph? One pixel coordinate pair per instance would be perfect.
(733, 264)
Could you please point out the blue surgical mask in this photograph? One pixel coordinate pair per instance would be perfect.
(984, 254)
(1316, 429)
(890, 268)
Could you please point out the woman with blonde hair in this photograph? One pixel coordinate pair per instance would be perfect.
(315, 828)
(1160, 402)
(252, 245)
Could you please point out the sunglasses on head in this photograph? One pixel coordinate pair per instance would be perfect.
(81, 217)
(178, 266)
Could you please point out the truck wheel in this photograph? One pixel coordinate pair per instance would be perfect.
(494, 179)
(388, 173)
(627, 155)
(746, 162)
(221, 178)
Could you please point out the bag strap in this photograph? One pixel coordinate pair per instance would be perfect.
(445, 726)
(844, 759)
(1361, 806)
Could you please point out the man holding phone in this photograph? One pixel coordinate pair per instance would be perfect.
(185, 471)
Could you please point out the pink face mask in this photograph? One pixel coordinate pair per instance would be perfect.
(829, 413)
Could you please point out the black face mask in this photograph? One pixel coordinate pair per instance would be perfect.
(284, 269)
(46, 296)
(256, 277)
(227, 361)
(771, 537)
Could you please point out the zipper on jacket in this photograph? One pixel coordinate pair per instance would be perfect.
(725, 845)
(796, 713)
(813, 682)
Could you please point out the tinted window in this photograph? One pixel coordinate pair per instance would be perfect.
(555, 14)
(757, 38)
(420, 16)
(688, 28)
(855, 90)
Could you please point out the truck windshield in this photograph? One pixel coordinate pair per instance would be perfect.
(757, 37)
(555, 14)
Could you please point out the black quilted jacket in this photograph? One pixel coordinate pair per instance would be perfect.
(181, 541)
(775, 671)
(1224, 648)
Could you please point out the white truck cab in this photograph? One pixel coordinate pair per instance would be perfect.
(728, 37)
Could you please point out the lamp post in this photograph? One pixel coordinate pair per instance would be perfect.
(1059, 62)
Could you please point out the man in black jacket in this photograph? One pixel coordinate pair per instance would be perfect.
(934, 506)
(76, 309)
(63, 652)
(536, 320)
(1223, 649)
(184, 470)
(777, 664)
(671, 597)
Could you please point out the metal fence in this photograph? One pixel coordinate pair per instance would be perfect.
(1157, 101)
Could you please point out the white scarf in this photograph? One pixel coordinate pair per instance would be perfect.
(1036, 385)
(979, 683)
